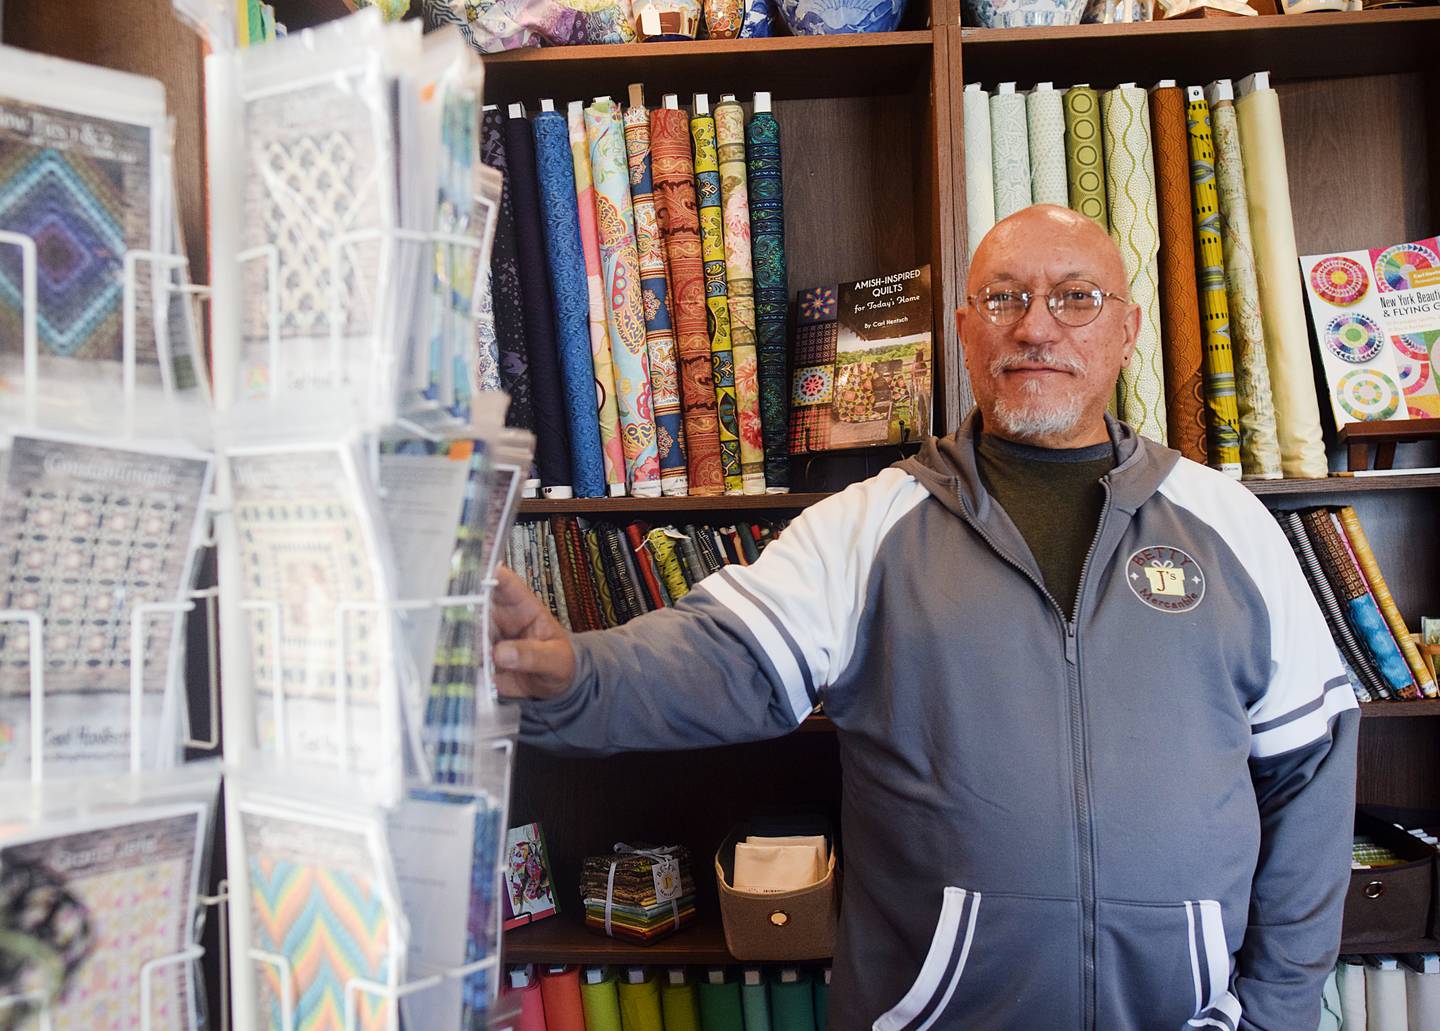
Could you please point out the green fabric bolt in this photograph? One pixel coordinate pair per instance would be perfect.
(720, 1008)
(1010, 153)
(1134, 226)
(792, 1004)
(640, 1006)
(756, 1003)
(1085, 155)
(1045, 120)
(601, 1003)
(680, 1006)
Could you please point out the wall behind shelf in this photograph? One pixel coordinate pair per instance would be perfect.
(1358, 154)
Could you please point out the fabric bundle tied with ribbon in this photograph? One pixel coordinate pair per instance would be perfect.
(640, 894)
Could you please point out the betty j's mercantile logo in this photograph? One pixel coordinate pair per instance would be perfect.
(1165, 578)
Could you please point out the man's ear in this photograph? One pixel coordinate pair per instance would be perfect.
(1131, 325)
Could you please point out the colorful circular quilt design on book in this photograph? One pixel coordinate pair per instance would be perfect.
(1396, 267)
(1368, 394)
(1340, 280)
(1354, 338)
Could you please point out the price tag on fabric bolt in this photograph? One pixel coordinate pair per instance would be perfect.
(1165, 579)
(675, 535)
(667, 879)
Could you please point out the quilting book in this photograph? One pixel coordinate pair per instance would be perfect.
(863, 366)
(445, 848)
(122, 891)
(321, 906)
(84, 174)
(317, 598)
(89, 532)
(1377, 327)
(319, 142)
(529, 888)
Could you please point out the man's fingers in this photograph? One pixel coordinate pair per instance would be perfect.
(513, 605)
(552, 662)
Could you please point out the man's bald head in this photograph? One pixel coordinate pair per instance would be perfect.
(1038, 379)
(1042, 227)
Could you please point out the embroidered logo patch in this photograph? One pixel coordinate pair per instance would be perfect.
(1165, 578)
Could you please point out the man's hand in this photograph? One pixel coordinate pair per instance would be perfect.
(533, 654)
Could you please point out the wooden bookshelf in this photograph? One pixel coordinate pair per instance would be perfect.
(874, 167)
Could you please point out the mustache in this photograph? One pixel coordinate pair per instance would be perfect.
(1043, 358)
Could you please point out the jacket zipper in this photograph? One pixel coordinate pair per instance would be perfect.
(1080, 765)
(1080, 753)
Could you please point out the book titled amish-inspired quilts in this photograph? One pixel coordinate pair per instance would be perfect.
(863, 363)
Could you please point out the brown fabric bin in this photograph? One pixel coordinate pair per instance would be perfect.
(780, 925)
(1389, 903)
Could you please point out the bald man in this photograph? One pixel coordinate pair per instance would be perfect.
(1098, 750)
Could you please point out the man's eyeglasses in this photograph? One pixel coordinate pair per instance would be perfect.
(1075, 302)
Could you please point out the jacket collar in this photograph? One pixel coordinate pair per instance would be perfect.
(947, 467)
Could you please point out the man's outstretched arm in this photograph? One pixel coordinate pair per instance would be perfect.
(743, 657)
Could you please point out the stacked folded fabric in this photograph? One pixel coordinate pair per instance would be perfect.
(636, 911)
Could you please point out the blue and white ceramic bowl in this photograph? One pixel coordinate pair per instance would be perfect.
(823, 17)
(1015, 14)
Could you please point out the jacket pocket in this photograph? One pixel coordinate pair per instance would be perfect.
(1162, 966)
(991, 957)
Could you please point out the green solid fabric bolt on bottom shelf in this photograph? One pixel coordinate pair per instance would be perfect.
(680, 1006)
(792, 1004)
(720, 1008)
(755, 1000)
(640, 1006)
(601, 1003)
(822, 1004)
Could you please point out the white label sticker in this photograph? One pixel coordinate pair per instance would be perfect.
(666, 872)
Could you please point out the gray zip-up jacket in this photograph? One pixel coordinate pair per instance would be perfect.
(1133, 815)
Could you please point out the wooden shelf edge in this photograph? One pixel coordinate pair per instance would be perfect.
(1423, 707)
(1398, 948)
(1216, 28)
(1346, 484)
(796, 502)
(629, 506)
(564, 938)
(681, 49)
